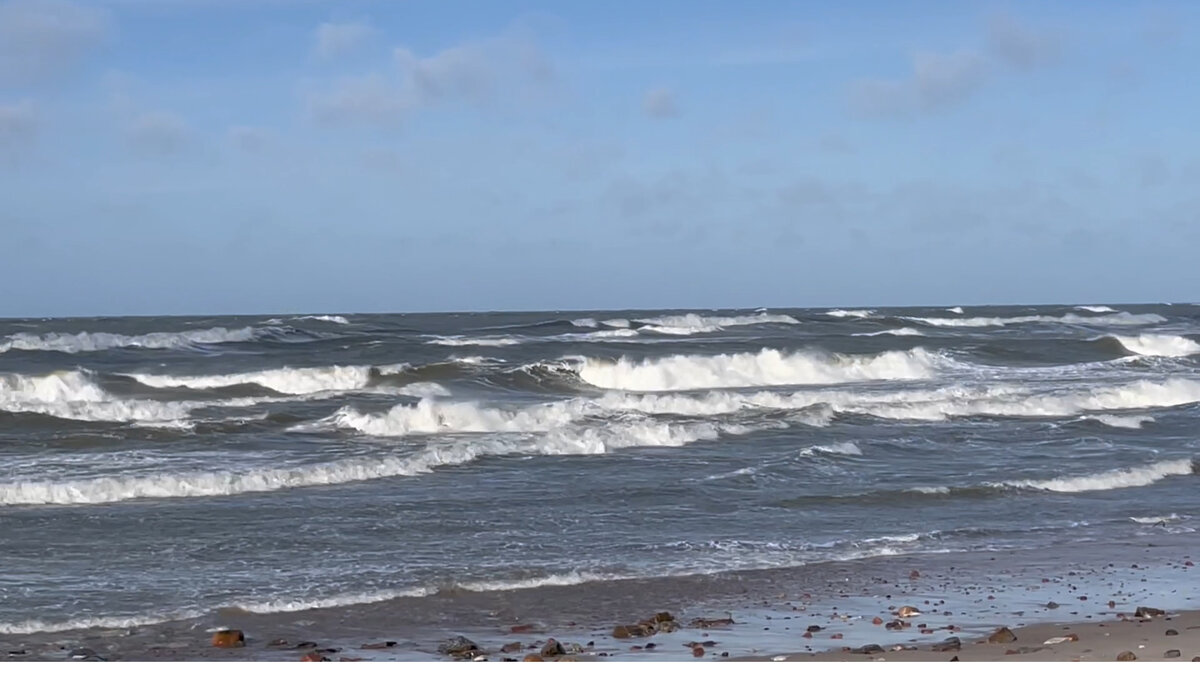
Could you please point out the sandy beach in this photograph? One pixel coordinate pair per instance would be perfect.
(902, 608)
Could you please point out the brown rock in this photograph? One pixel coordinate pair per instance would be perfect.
(1112, 604)
(951, 644)
(511, 647)
(1148, 613)
(566, 659)
(708, 623)
(877, 621)
(868, 649)
(379, 646)
(458, 647)
(1127, 656)
(914, 575)
(552, 648)
(907, 611)
(836, 636)
(523, 628)
(661, 617)
(1172, 654)
(532, 657)
(313, 656)
(697, 651)
(1002, 635)
(229, 638)
(814, 628)
(632, 631)
(351, 659)
(806, 634)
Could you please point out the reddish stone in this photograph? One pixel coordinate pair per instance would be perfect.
(229, 638)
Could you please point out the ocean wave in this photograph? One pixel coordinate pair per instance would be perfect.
(97, 341)
(106, 622)
(340, 320)
(458, 341)
(768, 367)
(1159, 345)
(844, 313)
(1114, 319)
(1129, 422)
(588, 441)
(1129, 477)
(902, 331)
(955, 309)
(692, 323)
(1096, 309)
(1154, 520)
(287, 380)
(838, 449)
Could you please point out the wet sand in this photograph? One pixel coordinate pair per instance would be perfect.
(809, 613)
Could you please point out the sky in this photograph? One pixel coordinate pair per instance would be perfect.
(281, 156)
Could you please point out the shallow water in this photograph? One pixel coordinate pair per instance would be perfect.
(154, 468)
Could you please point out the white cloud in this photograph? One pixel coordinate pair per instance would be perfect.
(1020, 46)
(475, 72)
(660, 104)
(157, 133)
(43, 39)
(337, 39)
(937, 81)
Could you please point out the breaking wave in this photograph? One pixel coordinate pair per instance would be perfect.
(1128, 422)
(587, 441)
(287, 380)
(838, 449)
(1097, 309)
(1159, 345)
(844, 313)
(768, 367)
(1103, 481)
(470, 341)
(98, 341)
(1121, 318)
(73, 395)
(902, 331)
(340, 320)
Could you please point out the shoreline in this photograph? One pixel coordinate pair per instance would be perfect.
(850, 603)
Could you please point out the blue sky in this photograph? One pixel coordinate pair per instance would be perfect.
(258, 156)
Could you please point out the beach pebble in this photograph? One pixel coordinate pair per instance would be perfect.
(313, 656)
(552, 648)
(877, 621)
(814, 628)
(228, 638)
(1172, 654)
(382, 646)
(1172, 632)
(458, 646)
(1052, 605)
(868, 649)
(532, 657)
(523, 628)
(951, 644)
(1148, 613)
(907, 611)
(512, 647)
(1127, 656)
(697, 651)
(1002, 635)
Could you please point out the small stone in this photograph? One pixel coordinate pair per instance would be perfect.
(951, 644)
(1112, 604)
(458, 646)
(697, 651)
(914, 575)
(511, 647)
(1172, 654)
(954, 658)
(532, 657)
(552, 648)
(1002, 635)
(814, 628)
(807, 634)
(313, 656)
(1148, 613)
(305, 645)
(836, 636)
(726, 655)
(877, 621)
(381, 646)
(1052, 605)
(351, 659)
(229, 638)
(1127, 656)
(661, 617)
(907, 611)
(523, 628)
(1172, 632)
(868, 649)
(651, 646)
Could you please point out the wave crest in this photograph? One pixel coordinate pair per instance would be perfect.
(1103, 481)
(768, 367)
(1159, 345)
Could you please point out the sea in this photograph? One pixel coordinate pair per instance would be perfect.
(159, 469)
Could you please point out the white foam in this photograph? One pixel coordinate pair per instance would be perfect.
(496, 342)
(340, 320)
(1097, 309)
(584, 322)
(573, 441)
(930, 490)
(839, 449)
(692, 323)
(768, 367)
(955, 309)
(1067, 319)
(73, 395)
(436, 417)
(287, 380)
(619, 323)
(1159, 345)
(1152, 520)
(1104, 481)
(96, 341)
(424, 389)
(1130, 422)
(902, 331)
(844, 313)
(110, 622)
